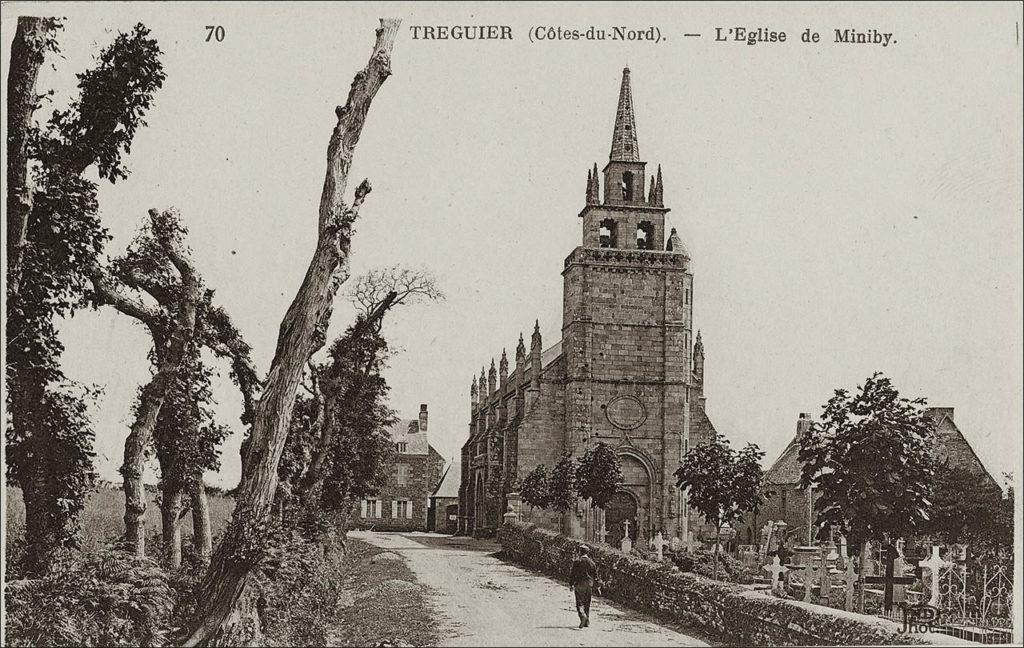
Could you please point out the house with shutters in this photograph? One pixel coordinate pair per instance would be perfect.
(414, 474)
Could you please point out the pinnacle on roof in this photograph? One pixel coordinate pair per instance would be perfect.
(624, 146)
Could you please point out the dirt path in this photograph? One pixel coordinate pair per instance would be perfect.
(482, 601)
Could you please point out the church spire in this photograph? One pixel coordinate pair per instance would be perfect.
(624, 146)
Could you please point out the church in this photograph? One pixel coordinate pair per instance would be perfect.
(628, 370)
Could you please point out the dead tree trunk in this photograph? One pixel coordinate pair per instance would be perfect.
(27, 53)
(202, 539)
(170, 341)
(170, 518)
(302, 332)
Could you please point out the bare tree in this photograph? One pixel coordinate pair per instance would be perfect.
(370, 290)
(302, 333)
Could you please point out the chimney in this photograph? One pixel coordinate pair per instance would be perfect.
(423, 417)
(803, 424)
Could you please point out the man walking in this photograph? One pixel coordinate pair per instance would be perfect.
(581, 581)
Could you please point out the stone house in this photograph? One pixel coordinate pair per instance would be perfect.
(413, 475)
(794, 505)
(626, 370)
(443, 513)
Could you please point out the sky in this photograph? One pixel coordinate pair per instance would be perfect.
(848, 209)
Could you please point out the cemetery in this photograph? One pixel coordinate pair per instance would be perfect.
(762, 590)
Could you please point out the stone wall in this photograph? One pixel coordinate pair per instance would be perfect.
(731, 613)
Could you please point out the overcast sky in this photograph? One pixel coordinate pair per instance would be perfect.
(849, 209)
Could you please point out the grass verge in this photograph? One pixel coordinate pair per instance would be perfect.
(382, 603)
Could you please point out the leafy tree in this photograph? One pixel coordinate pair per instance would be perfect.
(966, 510)
(562, 484)
(598, 475)
(535, 489)
(869, 459)
(722, 482)
(54, 234)
(187, 440)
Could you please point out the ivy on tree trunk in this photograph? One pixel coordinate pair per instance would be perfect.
(303, 331)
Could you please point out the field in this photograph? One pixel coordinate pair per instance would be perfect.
(103, 518)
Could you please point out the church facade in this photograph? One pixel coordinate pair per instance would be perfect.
(627, 371)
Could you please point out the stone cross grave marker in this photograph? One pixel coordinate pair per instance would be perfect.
(809, 573)
(849, 581)
(934, 565)
(889, 554)
(627, 544)
(659, 543)
(775, 569)
(825, 584)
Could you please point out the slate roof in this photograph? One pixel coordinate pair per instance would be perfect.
(406, 431)
(449, 486)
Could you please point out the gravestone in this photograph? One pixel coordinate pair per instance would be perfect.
(935, 564)
(602, 533)
(627, 543)
(849, 581)
(809, 574)
(825, 575)
(659, 545)
(677, 544)
(776, 569)
(889, 580)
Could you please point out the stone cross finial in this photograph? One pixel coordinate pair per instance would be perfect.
(775, 569)
(934, 565)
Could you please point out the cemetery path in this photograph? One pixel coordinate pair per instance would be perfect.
(482, 601)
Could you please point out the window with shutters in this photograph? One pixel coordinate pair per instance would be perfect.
(402, 447)
(372, 508)
(404, 509)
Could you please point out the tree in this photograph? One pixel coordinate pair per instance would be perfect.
(302, 332)
(157, 263)
(535, 490)
(598, 475)
(722, 483)
(562, 484)
(869, 459)
(187, 441)
(53, 234)
(965, 509)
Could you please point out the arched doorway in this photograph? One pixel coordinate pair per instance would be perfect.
(623, 506)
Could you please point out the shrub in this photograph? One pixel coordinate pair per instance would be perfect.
(102, 598)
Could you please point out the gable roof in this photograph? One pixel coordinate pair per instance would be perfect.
(406, 431)
(787, 468)
(449, 486)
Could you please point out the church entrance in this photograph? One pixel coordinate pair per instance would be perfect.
(623, 506)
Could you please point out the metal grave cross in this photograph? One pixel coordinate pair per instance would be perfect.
(889, 554)
(934, 565)
(775, 569)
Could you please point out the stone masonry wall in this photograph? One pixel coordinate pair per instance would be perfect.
(732, 613)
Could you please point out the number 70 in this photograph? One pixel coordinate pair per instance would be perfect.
(215, 32)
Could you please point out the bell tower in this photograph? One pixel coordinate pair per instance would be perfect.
(625, 218)
(626, 337)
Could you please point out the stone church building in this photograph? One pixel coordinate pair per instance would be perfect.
(627, 370)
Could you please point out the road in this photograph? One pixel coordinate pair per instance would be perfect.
(483, 601)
